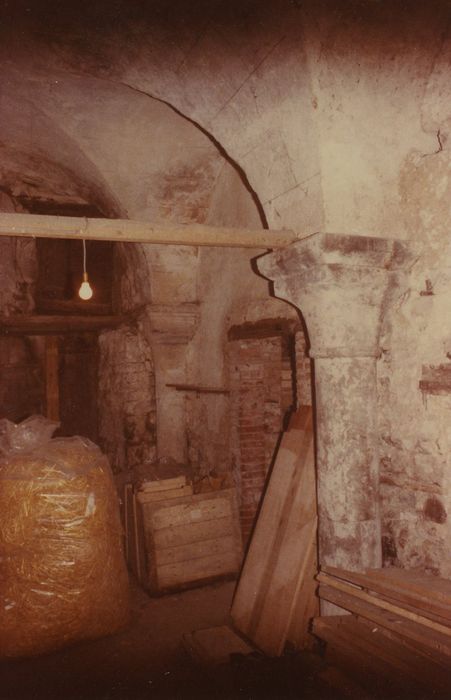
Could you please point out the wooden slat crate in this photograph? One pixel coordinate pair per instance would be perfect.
(189, 540)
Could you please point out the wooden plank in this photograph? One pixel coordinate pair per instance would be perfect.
(415, 647)
(267, 328)
(198, 389)
(134, 535)
(129, 231)
(429, 595)
(410, 584)
(52, 378)
(189, 510)
(277, 611)
(196, 550)
(306, 606)
(194, 532)
(192, 539)
(361, 662)
(422, 586)
(139, 571)
(214, 646)
(352, 633)
(202, 568)
(384, 604)
(401, 626)
(277, 561)
(130, 529)
(167, 495)
(254, 569)
(163, 484)
(50, 325)
(141, 542)
(71, 307)
(128, 488)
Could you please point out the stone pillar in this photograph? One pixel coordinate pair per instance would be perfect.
(172, 328)
(342, 285)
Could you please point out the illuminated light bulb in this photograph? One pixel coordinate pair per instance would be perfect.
(85, 292)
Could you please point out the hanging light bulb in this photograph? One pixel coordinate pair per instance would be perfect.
(85, 292)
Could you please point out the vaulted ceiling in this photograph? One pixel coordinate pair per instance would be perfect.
(322, 110)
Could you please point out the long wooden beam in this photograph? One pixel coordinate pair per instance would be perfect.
(53, 325)
(129, 231)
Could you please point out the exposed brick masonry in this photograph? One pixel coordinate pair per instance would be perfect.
(262, 388)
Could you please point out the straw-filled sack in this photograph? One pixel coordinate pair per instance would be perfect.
(62, 571)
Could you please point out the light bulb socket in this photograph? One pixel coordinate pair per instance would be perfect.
(85, 277)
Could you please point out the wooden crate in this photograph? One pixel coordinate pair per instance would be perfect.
(189, 540)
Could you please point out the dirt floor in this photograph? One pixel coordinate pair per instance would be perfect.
(147, 660)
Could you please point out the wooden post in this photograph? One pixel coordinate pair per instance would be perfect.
(51, 377)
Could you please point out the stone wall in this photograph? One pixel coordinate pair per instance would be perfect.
(337, 117)
(303, 371)
(22, 389)
(126, 399)
(414, 416)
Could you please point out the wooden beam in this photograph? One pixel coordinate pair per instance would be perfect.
(52, 377)
(51, 325)
(129, 231)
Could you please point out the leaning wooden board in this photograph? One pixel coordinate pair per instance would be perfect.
(306, 606)
(191, 539)
(273, 584)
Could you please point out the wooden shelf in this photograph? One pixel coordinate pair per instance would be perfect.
(53, 325)
(198, 389)
(71, 307)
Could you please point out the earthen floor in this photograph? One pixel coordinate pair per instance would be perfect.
(147, 660)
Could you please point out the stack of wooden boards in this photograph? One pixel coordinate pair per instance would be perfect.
(176, 538)
(164, 489)
(399, 630)
(275, 597)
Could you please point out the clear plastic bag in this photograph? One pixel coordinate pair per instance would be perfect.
(22, 437)
(62, 570)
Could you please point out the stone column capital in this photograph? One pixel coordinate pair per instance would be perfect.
(341, 284)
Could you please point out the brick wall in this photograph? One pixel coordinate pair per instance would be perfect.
(269, 376)
(261, 396)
